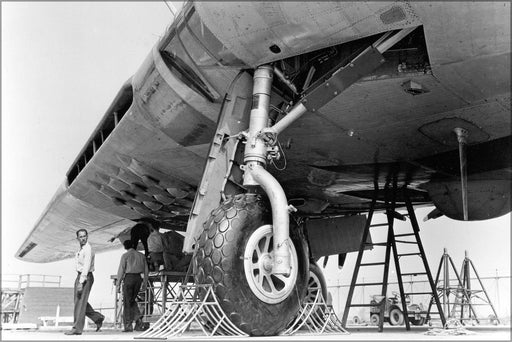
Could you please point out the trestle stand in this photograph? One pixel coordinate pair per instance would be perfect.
(473, 293)
(445, 290)
(462, 307)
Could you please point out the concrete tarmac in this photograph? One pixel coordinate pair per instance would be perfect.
(356, 333)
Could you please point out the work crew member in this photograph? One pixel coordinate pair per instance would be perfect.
(174, 257)
(140, 232)
(156, 248)
(83, 284)
(131, 266)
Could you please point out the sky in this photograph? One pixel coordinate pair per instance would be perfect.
(62, 65)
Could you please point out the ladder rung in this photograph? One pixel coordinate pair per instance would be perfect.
(403, 241)
(379, 225)
(407, 254)
(372, 264)
(375, 243)
(414, 274)
(408, 234)
(368, 284)
(364, 305)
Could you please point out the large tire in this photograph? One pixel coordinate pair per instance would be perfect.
(396, 317)
(316, 283)
(237, 234)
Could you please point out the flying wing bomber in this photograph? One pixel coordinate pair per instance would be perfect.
(248, 120)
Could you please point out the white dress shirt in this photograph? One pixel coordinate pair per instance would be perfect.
(84, 261)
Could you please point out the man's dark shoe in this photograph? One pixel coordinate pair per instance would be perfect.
(127, 329)
(99, 323)
(72, 332)
(141, 326)
(138, 324)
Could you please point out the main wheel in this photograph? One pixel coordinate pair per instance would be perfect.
(396, 317)
(234, 254)
(316, 283)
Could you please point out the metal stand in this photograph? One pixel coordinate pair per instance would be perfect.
(462, 308)
(446, 290)
(391, 244)
(195, 304)
(163, 287)
(11, 300)
(317, 317)
(460, 302)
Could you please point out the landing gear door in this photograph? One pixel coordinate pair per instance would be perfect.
(221, 173)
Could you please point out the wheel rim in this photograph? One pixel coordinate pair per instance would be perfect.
(314, 286)
(268, 287)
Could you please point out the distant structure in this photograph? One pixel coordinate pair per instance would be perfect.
(27, 297)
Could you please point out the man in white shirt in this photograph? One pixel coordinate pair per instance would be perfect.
(156, 248)
(83, 284)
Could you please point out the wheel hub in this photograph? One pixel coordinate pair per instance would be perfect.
(258, 267)
(266, 263)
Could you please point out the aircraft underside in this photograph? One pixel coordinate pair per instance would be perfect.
(238, 135)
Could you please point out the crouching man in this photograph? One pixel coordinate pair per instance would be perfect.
(131, 266)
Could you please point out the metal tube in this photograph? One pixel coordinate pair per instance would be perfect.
(286, 81)
(462, 135)
(255, 149)
(446, 305)
(388, 43)
(295, 113)
(280, 218)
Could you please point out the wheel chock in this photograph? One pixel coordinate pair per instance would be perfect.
(317, 317)
(194, 304)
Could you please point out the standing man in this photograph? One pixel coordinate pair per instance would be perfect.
(132, 264)
(83, 284)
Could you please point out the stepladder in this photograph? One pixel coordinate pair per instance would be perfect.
(405, 247)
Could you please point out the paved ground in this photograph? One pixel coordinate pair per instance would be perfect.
(479, 333)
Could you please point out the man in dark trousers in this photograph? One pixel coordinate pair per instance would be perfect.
(131, 266)
(140, 232)
(83, 283)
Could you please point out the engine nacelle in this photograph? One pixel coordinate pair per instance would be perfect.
(486, 198)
